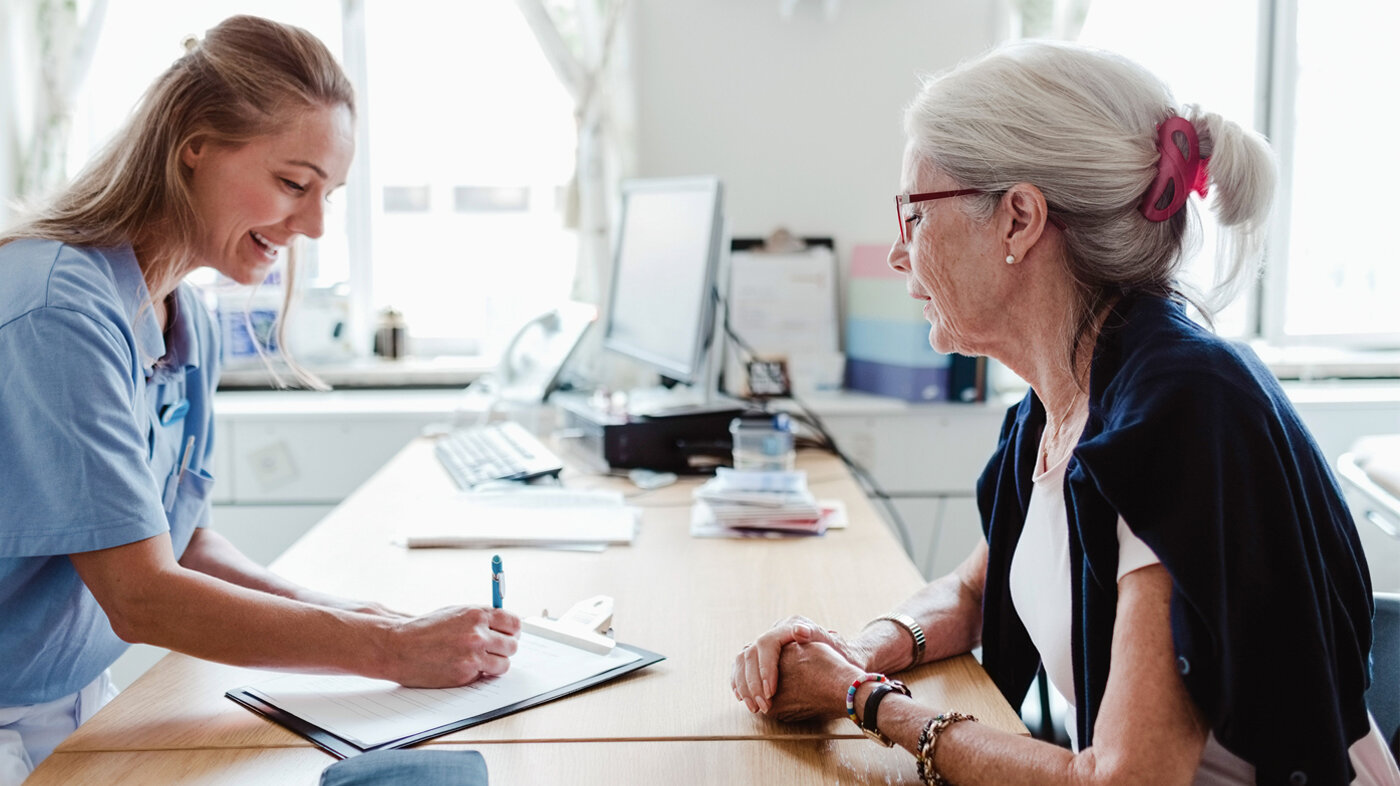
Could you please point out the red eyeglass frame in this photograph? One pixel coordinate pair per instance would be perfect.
(900, 200)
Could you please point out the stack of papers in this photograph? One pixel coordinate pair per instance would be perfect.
(744, 503)
(528, 516)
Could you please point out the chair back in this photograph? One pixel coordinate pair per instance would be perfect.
(1383, 697)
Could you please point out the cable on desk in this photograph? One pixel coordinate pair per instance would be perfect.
(827, 442)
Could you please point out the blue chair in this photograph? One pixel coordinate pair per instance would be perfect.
(1383, 697)
(408, 768)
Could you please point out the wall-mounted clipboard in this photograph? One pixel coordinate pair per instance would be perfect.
(333, 711)
(785, 305)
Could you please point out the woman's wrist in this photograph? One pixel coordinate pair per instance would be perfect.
(861, 653)
(840, 685)
(886, 646)
(862, 697)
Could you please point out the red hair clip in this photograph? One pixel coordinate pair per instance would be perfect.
(1177, 174)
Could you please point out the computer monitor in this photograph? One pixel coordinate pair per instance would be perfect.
(671, 246)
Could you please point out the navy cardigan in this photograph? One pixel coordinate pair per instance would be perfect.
(1194, 443)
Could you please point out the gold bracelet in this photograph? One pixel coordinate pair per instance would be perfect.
(912, 628)
(928, 745)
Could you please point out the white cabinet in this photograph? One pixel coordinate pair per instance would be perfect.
(286, 458)
(927, 457)
(311, 460)
(263, 532)
(943, 530)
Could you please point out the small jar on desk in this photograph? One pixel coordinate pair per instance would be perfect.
(763, 442)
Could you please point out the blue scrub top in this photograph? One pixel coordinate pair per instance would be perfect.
(96, 411)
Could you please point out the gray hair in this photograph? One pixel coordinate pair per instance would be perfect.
(1081, 125)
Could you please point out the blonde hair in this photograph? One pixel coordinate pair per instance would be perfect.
(1081, 125)
(247, 79)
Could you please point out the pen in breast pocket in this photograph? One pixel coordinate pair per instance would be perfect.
(172, 485)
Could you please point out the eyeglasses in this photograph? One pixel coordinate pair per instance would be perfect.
(900, 200)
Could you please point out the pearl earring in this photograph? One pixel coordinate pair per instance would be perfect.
(1010, 259)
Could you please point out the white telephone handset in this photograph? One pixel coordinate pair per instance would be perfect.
(531, 363)
(537, 352)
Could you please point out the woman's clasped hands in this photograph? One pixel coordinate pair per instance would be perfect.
(797, 670)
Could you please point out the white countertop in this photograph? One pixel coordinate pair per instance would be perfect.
(375, 372)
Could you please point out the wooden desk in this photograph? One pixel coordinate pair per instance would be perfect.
(694, 600)
(810, 762)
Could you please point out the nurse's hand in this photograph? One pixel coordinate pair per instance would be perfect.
(755, 676)
(451, 646)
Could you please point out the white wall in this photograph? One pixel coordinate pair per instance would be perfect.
(801, 118)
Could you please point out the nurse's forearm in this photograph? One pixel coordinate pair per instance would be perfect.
(212, 554)
(149, 598)
(209, 618)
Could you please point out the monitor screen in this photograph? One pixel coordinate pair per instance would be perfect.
(670, 244)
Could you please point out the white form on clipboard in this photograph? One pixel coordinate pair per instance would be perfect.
(783, 305)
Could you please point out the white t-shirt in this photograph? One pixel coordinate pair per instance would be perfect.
(1041, 591)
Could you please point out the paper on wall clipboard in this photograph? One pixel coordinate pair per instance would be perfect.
(784, 306)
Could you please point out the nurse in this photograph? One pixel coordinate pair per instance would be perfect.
(108, 364)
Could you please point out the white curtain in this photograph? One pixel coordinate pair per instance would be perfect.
(47, 47)
(598, 74)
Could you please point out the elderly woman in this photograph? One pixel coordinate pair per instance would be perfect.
(1163, 536)
(108, 366)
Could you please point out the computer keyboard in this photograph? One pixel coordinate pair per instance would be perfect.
(504, 450)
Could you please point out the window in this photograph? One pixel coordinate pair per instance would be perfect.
(1302, 72)
(1336, 268)
(470, 147)
(1223, 82)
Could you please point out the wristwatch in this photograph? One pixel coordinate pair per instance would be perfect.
(911, 627)
(869, 724)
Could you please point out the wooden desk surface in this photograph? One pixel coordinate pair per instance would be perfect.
(805, 762)
(694, 600)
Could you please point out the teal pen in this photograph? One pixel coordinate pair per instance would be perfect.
(498, 580)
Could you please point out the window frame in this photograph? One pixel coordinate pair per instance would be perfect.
(1277, 84)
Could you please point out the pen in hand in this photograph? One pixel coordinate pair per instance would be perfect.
(498, 578)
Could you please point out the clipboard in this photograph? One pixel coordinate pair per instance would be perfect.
(341, 747)
(783, 295)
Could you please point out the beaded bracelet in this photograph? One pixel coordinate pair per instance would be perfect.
(928, 744)
(851, 694)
